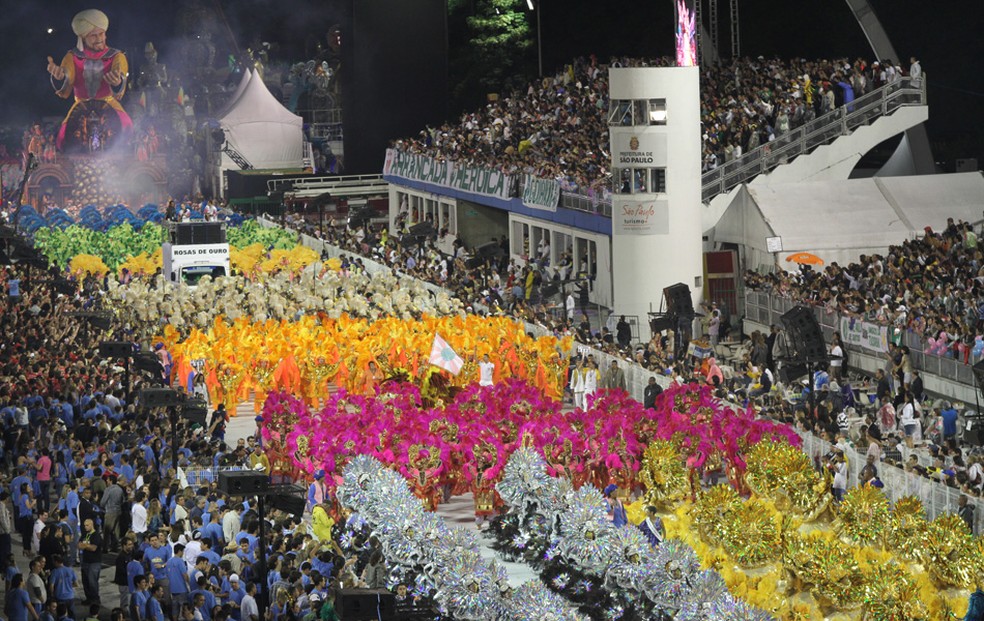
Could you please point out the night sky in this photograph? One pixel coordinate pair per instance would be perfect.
(945, 36)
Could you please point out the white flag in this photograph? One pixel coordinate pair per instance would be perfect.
(444, 357)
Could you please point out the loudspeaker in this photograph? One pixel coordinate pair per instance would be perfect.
(979, 375)
(803, 335)
(366, 605)
(195, 411)
(659, 324)
(159, 397)
(789, 373)
(115, 349)
(974, 430)
(678, 300)
(199, 233)
(243, 482)
(292, 503)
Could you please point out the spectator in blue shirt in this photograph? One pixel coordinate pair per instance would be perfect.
(154, 610)
(208, 598)
(949, 415)
(177, 579)
(156, 557)
(138, 602)
(18, 603)
(213, 531)
(61, 582)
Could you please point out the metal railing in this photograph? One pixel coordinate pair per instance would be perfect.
(286, 183)
(766, 309)
(327, 131)
(591, 203)
(937, 498)
(316, 116)
(820, 131)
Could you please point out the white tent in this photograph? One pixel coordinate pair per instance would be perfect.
(841, 220)
(236, 94)
(259, 127)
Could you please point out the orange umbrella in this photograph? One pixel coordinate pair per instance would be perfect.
(805, 258)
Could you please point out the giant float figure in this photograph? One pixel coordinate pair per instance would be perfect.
(95, 74)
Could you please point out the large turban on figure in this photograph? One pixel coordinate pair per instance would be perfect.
(88, 20)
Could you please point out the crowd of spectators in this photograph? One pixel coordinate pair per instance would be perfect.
(87, 482)
(931, 286)
(558, 127)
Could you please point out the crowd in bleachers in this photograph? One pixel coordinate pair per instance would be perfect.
(557, 128)
(87, 482)
(931, 286)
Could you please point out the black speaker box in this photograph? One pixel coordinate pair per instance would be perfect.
(292, 504)
(243, 482)
(974, 431)
(199, 233)
(659, 324)
(803, 335)
(115, 349)
(678, 300)
(159, 397)
(195, 411)
(365, 605)
(978, 369)
(789, 373)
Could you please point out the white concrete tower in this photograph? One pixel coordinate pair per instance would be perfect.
(654, 121)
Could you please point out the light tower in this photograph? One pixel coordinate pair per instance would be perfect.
(654, 124)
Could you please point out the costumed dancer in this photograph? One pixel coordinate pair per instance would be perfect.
(592, 378)
(484, 471)
(91, 72)
(616, 510)
(577, 383)
(486, 369)
(317, 491)
(652, 527)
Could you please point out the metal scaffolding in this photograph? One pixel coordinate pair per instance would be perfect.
(699, 23)
(712, 10)
(735, 31)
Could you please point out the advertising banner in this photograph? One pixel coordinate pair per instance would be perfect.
(869, 336)
(541, 193)
(640, 217)
(426, 169)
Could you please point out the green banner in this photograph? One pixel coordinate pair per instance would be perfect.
(870, 336)
(426, 169)
(541, 193)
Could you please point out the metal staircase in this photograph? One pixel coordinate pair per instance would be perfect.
(236, 157)
(821, 131)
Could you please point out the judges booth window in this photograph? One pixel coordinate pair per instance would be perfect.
(416, 209)
(620, 113)
(447, 218)
(657, 112)
(630, 112)
(623, 181)
(657, 180)
(519, 240)
(640, 180)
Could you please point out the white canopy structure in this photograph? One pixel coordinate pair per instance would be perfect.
(261, 129)
(841, 220)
